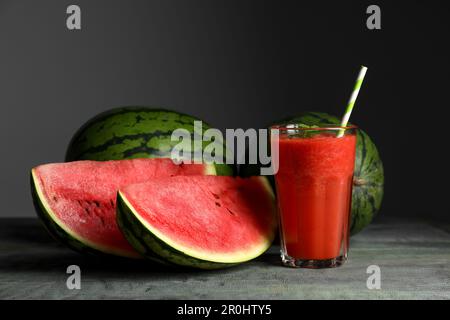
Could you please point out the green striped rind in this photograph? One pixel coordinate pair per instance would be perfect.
(369, 174)
(126, 227)
(151, 246)
(134, 132)
(368, 184)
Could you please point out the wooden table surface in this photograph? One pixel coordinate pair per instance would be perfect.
(413, 256)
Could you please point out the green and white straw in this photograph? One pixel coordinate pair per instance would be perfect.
(352, 100)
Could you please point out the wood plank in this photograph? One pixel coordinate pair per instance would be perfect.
(414, 257)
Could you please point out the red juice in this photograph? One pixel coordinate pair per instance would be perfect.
(314, 189)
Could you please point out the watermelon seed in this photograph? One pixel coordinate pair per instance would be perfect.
(231, 212)
(218, 204)
(215, 195)
(87, 211)
(55, 199)
(97, 204)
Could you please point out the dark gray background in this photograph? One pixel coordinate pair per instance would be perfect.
(233, 64)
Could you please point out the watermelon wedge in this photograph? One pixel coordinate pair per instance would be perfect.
(205, 222)
(77, 200)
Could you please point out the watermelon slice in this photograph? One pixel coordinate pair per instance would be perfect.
(204, 222)
(77, 200)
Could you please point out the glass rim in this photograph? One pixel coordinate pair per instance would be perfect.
(326, 127)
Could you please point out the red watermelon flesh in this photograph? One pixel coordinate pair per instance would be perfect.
(80, 197)
(210, 218)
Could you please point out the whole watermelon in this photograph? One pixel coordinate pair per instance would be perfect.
(133, 132)
(368, 182)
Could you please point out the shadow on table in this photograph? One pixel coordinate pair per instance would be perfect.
(30, 249)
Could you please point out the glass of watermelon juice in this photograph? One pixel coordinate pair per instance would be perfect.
(314, 191)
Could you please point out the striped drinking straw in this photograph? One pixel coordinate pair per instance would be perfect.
(352, 100)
